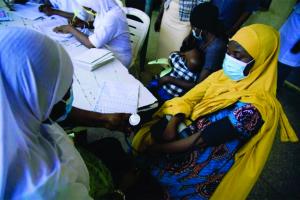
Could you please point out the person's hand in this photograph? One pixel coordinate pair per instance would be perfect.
(76, 22)
(157, 24)
(119, 122)
(164, 80)
(296, 48)
(47, 9)
(170, 131)
(63, 29)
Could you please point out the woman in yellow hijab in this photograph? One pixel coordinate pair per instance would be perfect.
(233, 117)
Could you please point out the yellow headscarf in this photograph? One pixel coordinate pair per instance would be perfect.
(218, 92)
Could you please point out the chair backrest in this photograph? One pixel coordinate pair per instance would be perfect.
(138, 23)
(120, 3)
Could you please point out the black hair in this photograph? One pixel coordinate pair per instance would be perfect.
(205, 16)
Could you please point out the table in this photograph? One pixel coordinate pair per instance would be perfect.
(113, 71)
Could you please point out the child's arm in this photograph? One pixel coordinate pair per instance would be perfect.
(170, 133)
(176, 146)
(186, 85)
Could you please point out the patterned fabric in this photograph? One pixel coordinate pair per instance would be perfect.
(197, 173)
(185, 7)
(180, 71)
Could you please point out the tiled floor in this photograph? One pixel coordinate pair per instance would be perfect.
(280, 178)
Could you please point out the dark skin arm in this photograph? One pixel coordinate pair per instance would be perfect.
(170, 132)
(115, 121)
(177, 146)
(76, 33)
(182, 83)
(48, 10)
(203, 75)
(244, 16)
(75, 21)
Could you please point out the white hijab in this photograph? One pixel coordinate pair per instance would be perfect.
(35, 74)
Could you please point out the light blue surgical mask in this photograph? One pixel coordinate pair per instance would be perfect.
(234, 68)
(197, 36)
(68, 109)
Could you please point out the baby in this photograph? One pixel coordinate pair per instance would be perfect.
(186, 67)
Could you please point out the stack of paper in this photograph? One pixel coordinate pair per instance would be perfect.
(93, 58)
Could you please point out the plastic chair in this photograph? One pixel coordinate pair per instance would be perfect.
(138, 23)
(120, 3)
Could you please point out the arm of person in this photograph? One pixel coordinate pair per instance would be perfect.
(186, 85)
(157, 23)
(114, 121)
(76, 33)
(170, 133)
(203, 75)
(247, 7)
(175, 146)
(243, 17)
(48, 10)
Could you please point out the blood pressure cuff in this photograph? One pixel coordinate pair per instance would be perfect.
(219, 132)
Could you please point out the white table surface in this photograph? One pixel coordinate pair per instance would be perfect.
(113, 71)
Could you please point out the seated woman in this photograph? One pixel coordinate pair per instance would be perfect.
(207, 34)
(65, 8)
(215, 157)
(110, 29)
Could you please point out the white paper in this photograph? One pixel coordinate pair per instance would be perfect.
(28, 11)
(117, 97)
(105, 96)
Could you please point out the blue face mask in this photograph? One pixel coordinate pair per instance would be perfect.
(68, 109)
(234, 68)
(198, 37)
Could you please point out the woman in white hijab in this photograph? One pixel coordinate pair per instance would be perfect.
(110, 29)
(38, 161)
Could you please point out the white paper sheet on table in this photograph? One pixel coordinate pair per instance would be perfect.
(28, 11)
(104, 96)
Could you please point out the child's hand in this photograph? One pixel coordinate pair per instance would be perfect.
(63, 29)
(164, 80)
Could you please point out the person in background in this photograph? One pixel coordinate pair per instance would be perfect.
(173, 24)
(233, 13)
(186, 67)
(289, 55)
(208, 35)
(110, 29)
(232, 118)
(65, 8)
